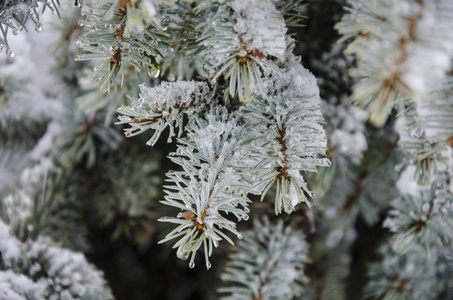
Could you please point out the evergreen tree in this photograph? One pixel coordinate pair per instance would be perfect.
(272, 149)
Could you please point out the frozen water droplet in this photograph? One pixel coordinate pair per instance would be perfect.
(416, 133)
(246, 217)
(192, 265)
(38, 28)
(239, 236)
(154, 73)
(11, 54)
(242, 53)
(208, 265)
(182, 256)
(425, 208)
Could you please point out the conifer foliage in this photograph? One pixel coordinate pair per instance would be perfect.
(274, 105)
(285, 184)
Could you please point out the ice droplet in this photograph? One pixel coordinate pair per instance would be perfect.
(239, 236)
(417, 132)
(38, 28)
(242, 53)
(154, 73)
(183, 256)
(208, 265)
(192, 265)
(425, 208)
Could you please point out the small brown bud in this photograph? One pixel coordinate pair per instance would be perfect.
(188, 215)
(449, 141)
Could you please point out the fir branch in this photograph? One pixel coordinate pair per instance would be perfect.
(107, 40)
(409, 276)
(237, 47)
(143, 13)
(267, 264)
(435, 115)
(85, 136)
(421, 219)
(430, 156)
(208, 188)
(38, 269)
(164, 106)
(385, 73)
(39, 204)
(182, 60)
(14, 15)
(293, 12)
(284, 143)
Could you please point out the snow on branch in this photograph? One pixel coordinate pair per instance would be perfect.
(267, 264)
(403, 48)
(242, 37)
(208, 189)
(38, 269)
(112, 47)
(430, 156)
(287, 136)
(164, 106)
(421, 219)
(254, 123)
(409, 276)
(14, 15)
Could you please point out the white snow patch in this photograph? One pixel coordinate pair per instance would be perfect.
(9, 245)
(407, 183)
(260, 25)
(18, 287)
